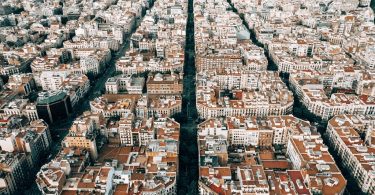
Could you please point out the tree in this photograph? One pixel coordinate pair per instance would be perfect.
(64, 20)
(116, 73)
(10, 43)
(5, 22)
(58, 11)
(91, 76)
(33, 96)
(193, 187)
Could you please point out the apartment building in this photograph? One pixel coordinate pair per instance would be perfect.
(274, 100)
(345, 135)
(114, 104)
(21, 84)
(312, 90)
(164, 84)
(164, 105)
(82, 134)
(15, 172)
(149, 169)
(125, 84)
(158, 44)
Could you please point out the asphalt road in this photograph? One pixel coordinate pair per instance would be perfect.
(187, 182)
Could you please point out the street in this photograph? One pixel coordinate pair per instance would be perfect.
(187, 182)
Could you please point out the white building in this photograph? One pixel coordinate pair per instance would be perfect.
(356, 154)
(52, 80)
(125, 84)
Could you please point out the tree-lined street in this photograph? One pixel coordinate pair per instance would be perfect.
(188, 155)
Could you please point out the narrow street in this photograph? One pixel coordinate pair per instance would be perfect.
(300, 110)
(60, 130)
(188, 154)
(97, 88)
